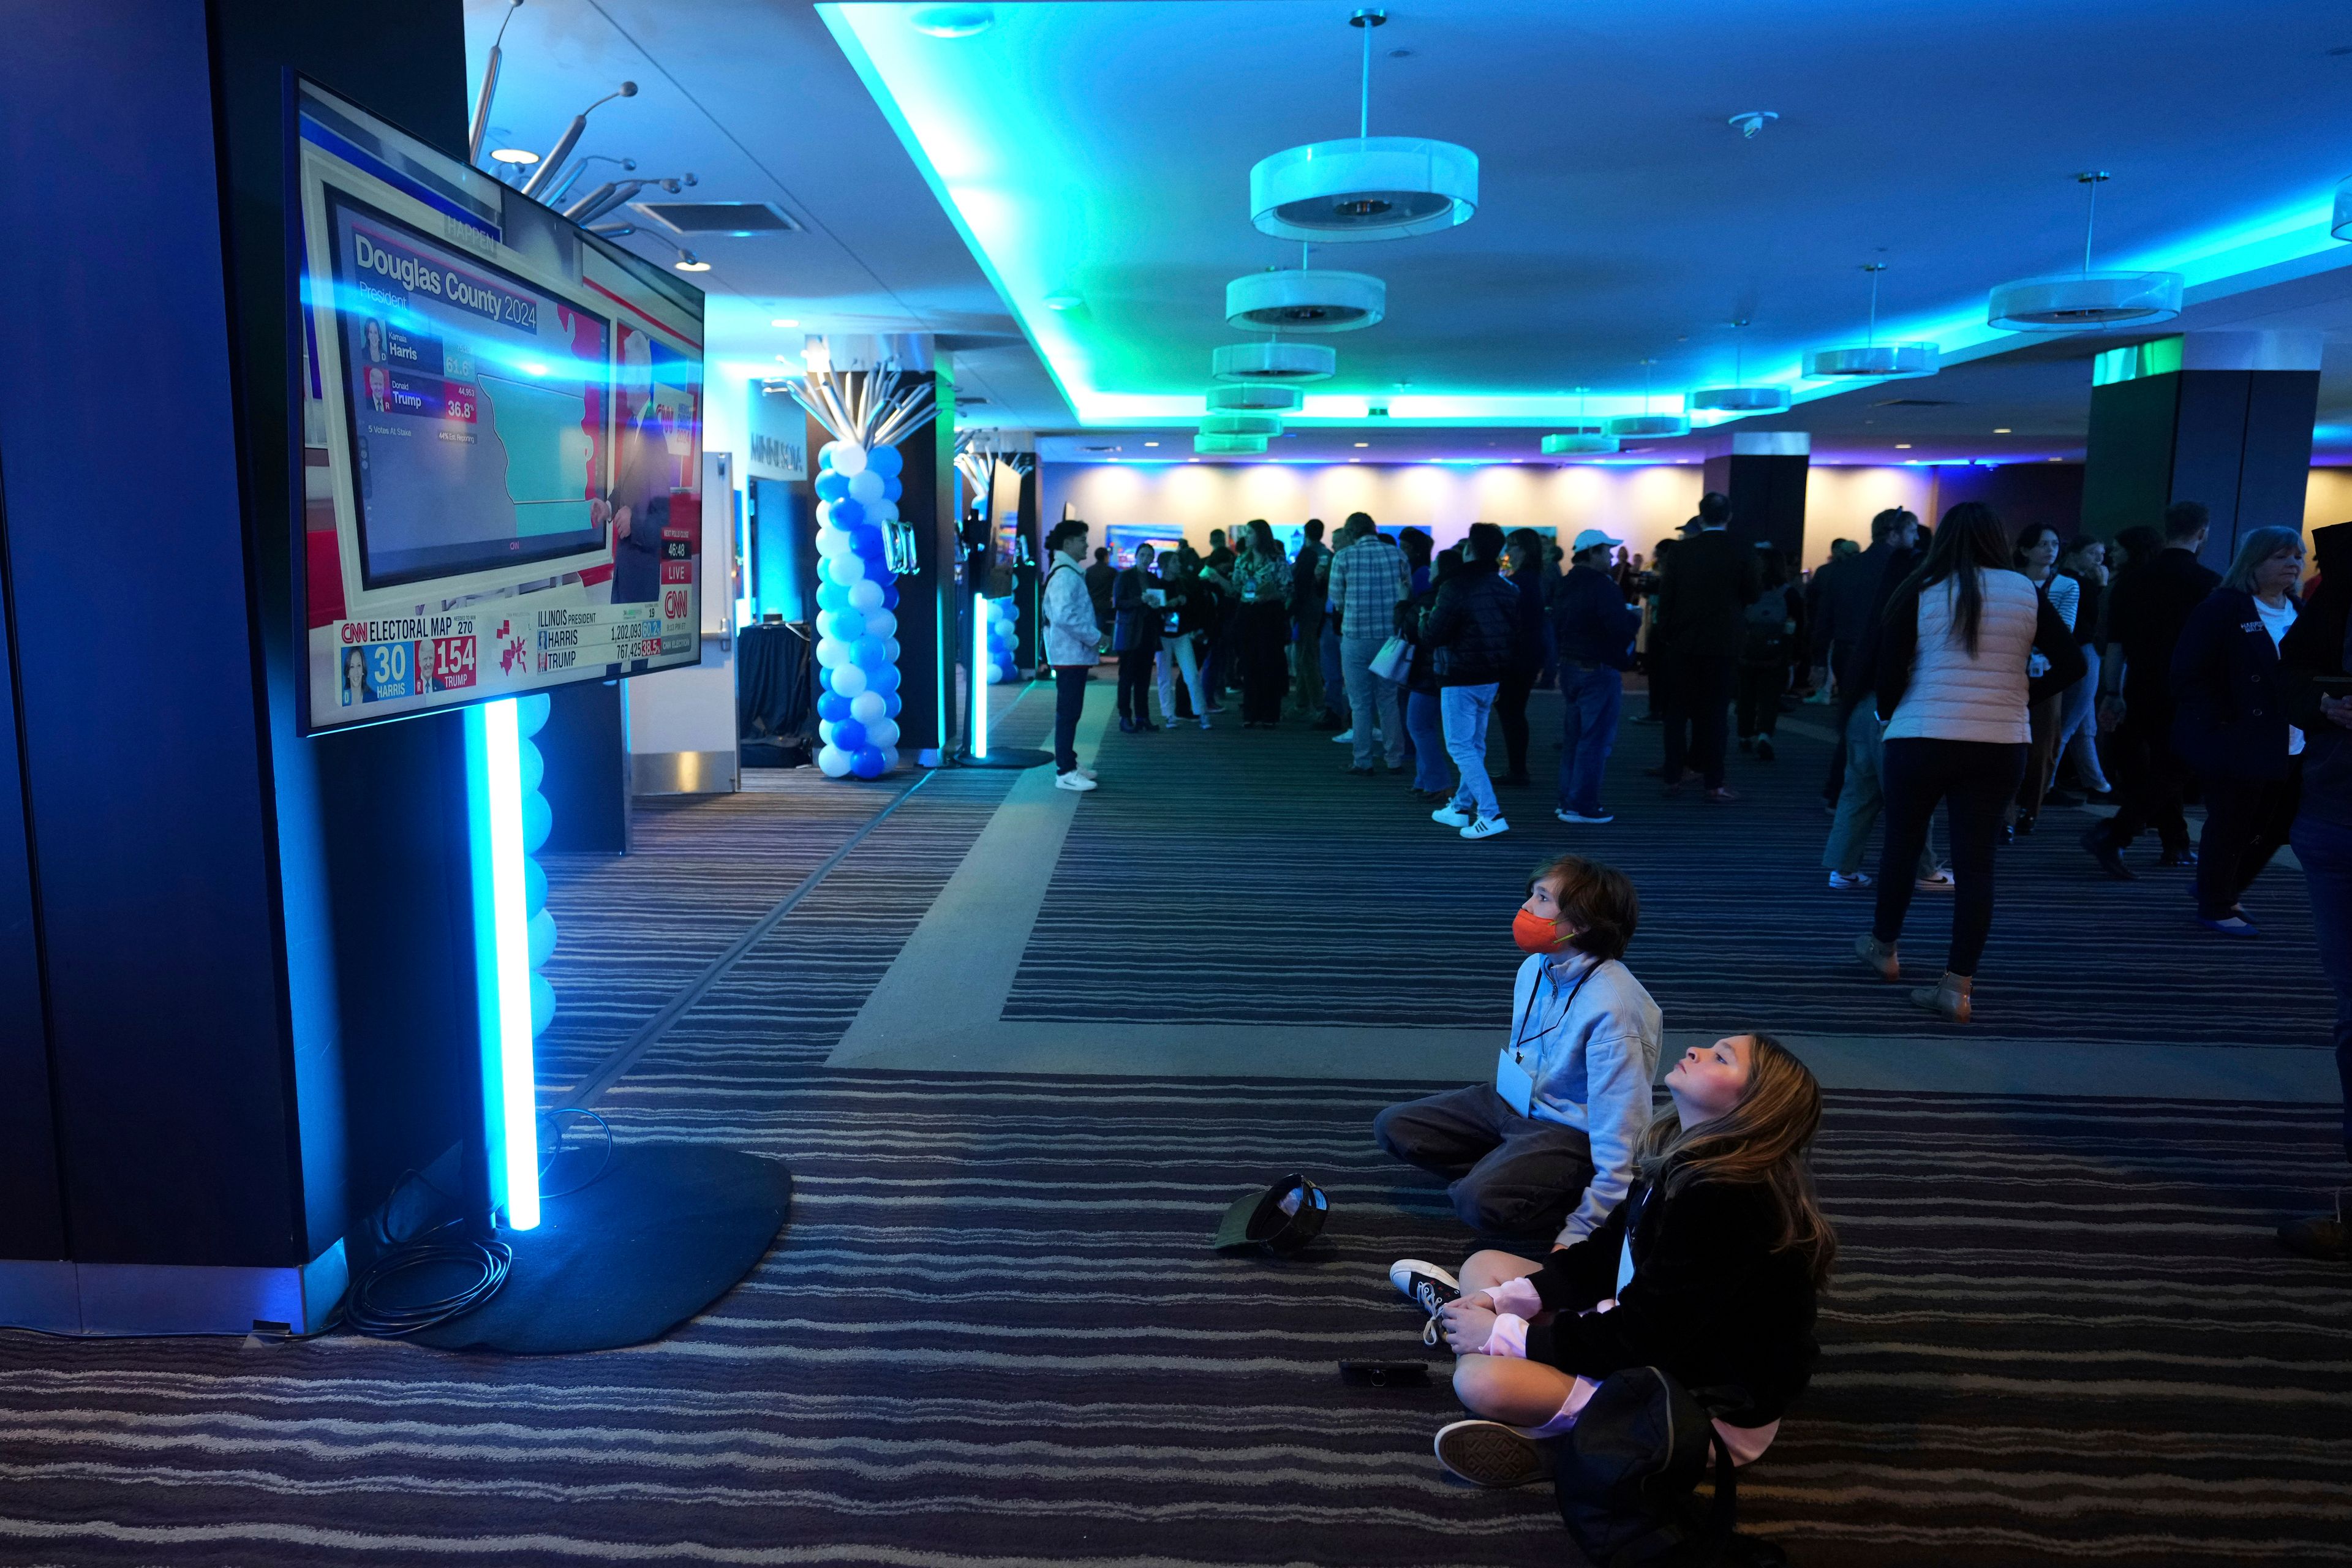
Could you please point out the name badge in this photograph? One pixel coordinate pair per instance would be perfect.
(1514, 1083)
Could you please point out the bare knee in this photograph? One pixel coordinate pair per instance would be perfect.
(1487, 1269)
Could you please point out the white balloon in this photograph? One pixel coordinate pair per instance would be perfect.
(848, 679)
(882, 511)
(832, 762)
(880, 623)
(831, 652)
(848, 459)
(889, 758)
(849, 568)
(824, 513)
(866, 597)
(868, 708)
(894, 650)
(995, 673)
(866, 488)
(825, 729)
(883, 733)
(833, 542)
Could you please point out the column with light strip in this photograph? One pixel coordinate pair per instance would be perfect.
(502, 832)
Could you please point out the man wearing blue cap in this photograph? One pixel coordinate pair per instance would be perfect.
(1593, 628)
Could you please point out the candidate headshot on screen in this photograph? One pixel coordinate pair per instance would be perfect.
(379, 389)
(373, 335)
(423, 685)
(354, 676)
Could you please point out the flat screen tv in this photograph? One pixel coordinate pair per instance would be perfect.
(501, 435)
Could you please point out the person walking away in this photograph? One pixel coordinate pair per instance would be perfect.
(1592, 630)
(1546, 1150)
(1524, 559)
(1771, 628)
(2230, 721)
(1100, 576)
(1853, 597)
(1952, 686)
(2036, 555)
(1433, 778)
(1134, 638)
(1369, 581)
(1705, 595)
(1183, 615)
(2084, 563)
(1072, 646)
(2319, 701)
(1261, 624)
(1469, 632)
(1861, 789)
(1307, 587)
(2148, 607)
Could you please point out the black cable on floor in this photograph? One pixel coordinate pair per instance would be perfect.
(488, 1261)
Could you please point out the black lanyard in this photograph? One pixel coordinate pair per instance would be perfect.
(1518, 1030)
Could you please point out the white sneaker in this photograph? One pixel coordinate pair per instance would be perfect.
(1941, 882)
(1205, 720)
(1076, 779)
(1485, 828)
(1407, 1274)
(1344, 737)
(1450, 817)
(1579, 816)
(1843, 879)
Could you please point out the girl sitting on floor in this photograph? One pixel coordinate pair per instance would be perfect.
(1708, 1270)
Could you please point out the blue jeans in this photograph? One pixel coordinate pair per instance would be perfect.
(1591, 696)
(1428, 733)
(1463, 711)
(2326, 851)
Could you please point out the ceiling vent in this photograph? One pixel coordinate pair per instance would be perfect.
(737, 218)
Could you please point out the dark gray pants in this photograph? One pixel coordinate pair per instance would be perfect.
(1510, 1175)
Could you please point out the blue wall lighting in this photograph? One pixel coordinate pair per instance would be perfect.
(508, 819)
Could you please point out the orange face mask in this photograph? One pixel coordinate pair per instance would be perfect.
(1536, 934)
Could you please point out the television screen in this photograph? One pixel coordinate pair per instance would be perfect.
(502, 434)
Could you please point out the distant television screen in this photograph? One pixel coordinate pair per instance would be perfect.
(502, 434)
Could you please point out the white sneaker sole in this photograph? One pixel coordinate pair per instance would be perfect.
(1489, 1454)
(1486, 827)
(1075, 783)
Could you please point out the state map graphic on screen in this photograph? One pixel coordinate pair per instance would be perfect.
(477, 406)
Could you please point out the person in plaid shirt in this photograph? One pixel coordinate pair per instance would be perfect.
(1369, 580)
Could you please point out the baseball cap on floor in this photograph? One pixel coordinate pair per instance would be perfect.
(1282, 1218)
(1591, 537)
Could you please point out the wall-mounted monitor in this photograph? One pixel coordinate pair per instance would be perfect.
(502, 422)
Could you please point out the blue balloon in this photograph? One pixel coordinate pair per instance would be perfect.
(847, 513)
(890, 597)
(868, 540)
(886, 461)
(892, 705)
(870, 654)
(892, 489)
(832, 707)
(868, 763)
(884, 678)
(825, 457)
(849, 734)
(832, 596)
(832, 487)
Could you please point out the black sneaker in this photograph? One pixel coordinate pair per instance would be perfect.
(2102, 849)
(1489, 1454)
(1426, 1286)
(2176, 857)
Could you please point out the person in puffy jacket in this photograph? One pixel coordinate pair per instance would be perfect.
(1073, 646)
(1470, 633)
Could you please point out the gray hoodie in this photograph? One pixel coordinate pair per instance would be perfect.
(1592, 1049)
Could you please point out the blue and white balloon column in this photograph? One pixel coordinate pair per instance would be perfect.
(1003, 629)
(857, 600)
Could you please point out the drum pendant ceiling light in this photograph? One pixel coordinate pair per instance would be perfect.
(1872, 358)
(1280, 399)
(1241, 424)
(2341, 224)
(1372, 187)
(1305, 301)
(1646, 424)
(2089, 300)
(1279, 362)
(1738, 398)
(1228, 446)
(1580, 436)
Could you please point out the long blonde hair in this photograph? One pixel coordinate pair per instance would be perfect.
(1765, 1138)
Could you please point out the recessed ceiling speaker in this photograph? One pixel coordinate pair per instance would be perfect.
(1737, 399)
(1577, 443)
(1241, 424)
(1281, 399)
(1228, 446)
(2087, 299)
(1643, 426)
(1276, 361)
(1372, 187)
(1308, 300)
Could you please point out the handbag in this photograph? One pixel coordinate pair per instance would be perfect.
(1625, 1476)
(1393, 660)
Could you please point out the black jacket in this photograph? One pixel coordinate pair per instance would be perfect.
(1528, 628)
(1136, 629)
(1850, 603)
(2146, 607)
(1471, 627)
(1710, 1301)
(2229, 693)
(1591, 621)
(2317, 645)
(1708, 583)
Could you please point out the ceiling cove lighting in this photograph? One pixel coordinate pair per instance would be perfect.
(1305, 301)
(1241, 424)
(1872, 358)
(2089, 299)
(1739, 397)
(1228, 446)
(1281, 364)
(1280, 399)
(1372, 187)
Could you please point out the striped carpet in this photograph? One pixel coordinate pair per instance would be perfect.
(992, 1334)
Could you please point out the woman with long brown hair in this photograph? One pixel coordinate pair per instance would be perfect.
(1708, 1270)
(1261, 576)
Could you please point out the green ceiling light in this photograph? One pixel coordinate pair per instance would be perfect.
(1251, 395)
(1281, 364)
(1871, 359)
(1305, 301)
(1372, 187)
(1241, 424)
(2088, 299)
(952, 21)
(1739, 397)
(1229, 446)
(1580, 443)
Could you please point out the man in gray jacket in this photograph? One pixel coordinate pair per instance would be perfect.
(1548, 1149)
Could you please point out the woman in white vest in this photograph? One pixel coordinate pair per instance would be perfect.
(1953, 687)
